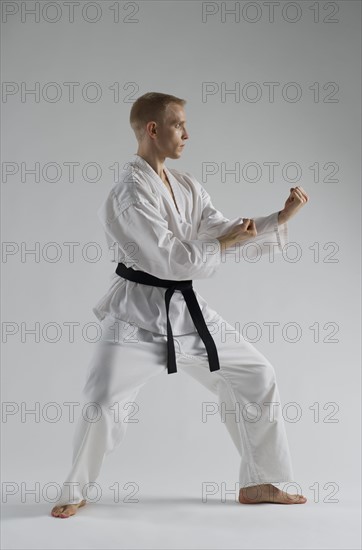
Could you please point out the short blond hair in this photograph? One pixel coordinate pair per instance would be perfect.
(148, 107)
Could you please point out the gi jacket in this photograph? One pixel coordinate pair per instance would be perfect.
(146, 231)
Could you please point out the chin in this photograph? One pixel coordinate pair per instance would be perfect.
(175, 155)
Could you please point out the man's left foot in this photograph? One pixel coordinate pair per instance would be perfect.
(268, 493)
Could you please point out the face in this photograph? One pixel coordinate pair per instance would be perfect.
(171, 135)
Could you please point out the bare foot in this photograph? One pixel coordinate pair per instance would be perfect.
(66, 510)
(268, 493)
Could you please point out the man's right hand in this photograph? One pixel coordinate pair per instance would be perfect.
(239, 234)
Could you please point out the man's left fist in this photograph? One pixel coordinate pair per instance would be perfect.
(297, 198)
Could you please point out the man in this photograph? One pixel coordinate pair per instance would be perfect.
(164, 231)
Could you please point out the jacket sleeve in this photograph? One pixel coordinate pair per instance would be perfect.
(270, 238)
(148, 244)
(213, 223)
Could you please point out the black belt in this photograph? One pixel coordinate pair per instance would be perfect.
(193, 307)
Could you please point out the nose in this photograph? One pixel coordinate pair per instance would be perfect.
(185, 134)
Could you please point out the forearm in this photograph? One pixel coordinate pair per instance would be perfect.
(270, 229)
(225, 242)
(282, 217)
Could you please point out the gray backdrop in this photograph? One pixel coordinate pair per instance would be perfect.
(307, 122)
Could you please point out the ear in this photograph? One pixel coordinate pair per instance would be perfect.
(151, 129)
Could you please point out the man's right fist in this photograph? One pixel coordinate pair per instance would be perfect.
(249, 228)
(239, 234)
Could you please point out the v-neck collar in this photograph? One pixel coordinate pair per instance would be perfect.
(143, 164)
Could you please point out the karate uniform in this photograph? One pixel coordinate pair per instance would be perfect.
(147, 232)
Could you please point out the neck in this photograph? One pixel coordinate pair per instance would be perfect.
(154, 160)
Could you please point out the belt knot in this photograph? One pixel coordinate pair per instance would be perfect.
(192, 305)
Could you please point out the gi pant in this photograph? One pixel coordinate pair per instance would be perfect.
(126, 357)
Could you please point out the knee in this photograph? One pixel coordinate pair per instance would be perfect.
(266, 373)
(262, 379)
(269, 370)
(101, 397)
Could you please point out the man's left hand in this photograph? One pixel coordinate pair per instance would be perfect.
(297, 198)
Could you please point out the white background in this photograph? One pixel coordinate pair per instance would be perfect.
(171, 50)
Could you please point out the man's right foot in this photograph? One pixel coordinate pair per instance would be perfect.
(66, 510)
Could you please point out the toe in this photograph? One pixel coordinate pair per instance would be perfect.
(66, 513)
(62, 512)
(299, 499)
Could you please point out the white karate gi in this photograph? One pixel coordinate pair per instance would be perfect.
(140, 215)
(146, 231)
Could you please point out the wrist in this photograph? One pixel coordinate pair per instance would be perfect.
(282, 217)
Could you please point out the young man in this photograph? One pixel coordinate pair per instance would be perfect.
(164, 231)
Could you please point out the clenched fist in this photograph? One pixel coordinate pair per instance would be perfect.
(297, 198)
(238, 234)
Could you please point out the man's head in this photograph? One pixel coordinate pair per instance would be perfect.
(158, 121)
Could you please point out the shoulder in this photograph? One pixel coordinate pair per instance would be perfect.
(133, 185)
(131, 188)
